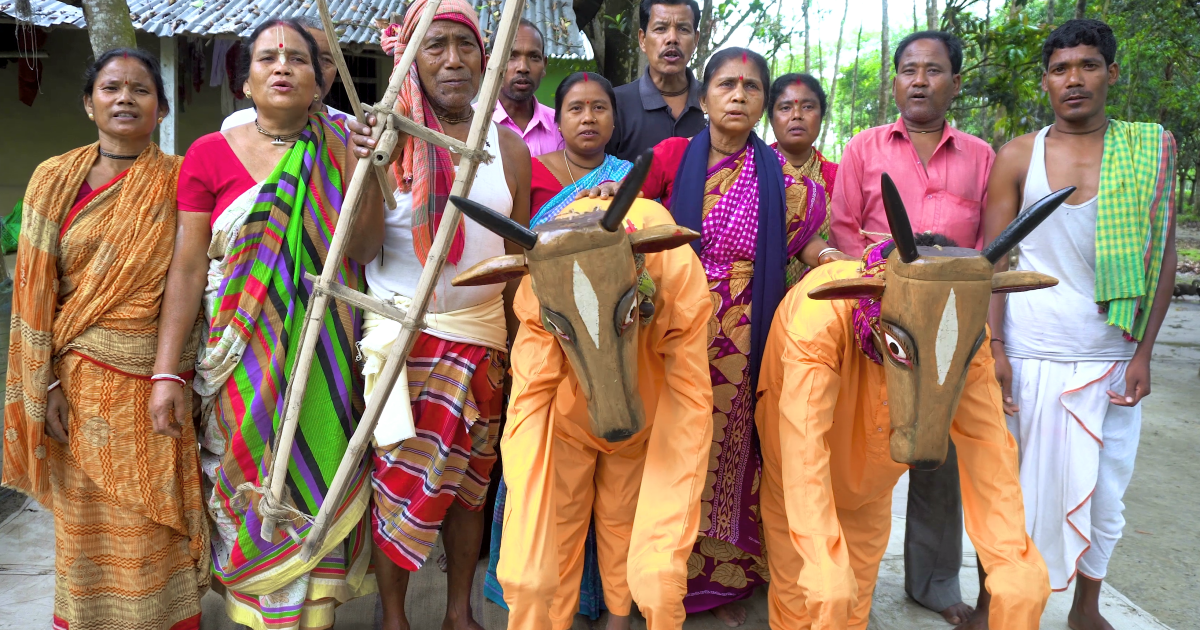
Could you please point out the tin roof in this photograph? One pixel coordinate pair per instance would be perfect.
(354, 19)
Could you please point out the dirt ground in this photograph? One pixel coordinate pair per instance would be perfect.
(1157, 562)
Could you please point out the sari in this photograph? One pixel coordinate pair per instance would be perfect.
(820, 169)
(591, 592)
(131, 546)
(754, 221)
(255, 304)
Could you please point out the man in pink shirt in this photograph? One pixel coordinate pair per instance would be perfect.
(942, 176)
(518, 108)
(941, 172)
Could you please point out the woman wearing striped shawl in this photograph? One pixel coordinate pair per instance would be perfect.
(131, 546)
(258, 205)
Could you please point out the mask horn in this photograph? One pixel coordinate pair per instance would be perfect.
(497, 223)
(1025, 223)
(898, 222)
(628, 193)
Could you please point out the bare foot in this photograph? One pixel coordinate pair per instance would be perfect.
(978, 621)
(732, 614)
(958, 613)
(618, 622)
(1087, 620)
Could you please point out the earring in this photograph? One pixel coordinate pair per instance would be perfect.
(160, 120)
(91, 116)
(316, 97)
(247, 93)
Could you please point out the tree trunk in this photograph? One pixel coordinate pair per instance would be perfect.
(1049, 11)
(837, 58)
(586, 11)
(109, 25)
(1080, 9)
(854, 81)
(884, 61)
(931, 14)
(807, 58)
(915, 23)
(704, 42)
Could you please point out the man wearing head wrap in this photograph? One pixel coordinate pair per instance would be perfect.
(435, 443)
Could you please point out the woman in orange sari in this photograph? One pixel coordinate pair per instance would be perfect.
(96, 239)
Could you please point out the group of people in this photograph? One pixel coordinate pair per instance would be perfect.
(159, 300)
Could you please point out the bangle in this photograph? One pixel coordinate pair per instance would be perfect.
(53, 386)
(823, 252)
(997, 340)
(169, 377)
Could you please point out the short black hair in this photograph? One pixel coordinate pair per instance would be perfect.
(953, 47)
(784, 81)
(246, 56)
(1074, 33)
(146, 59)
(644, 11)
(560, 93)
(725, 55)
(541, 37)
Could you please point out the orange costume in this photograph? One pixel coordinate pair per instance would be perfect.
(826, 506)
(644, 492)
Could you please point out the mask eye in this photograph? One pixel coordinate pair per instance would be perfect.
(558, 325)
(896, 349)
(627, 311)
(561, 335)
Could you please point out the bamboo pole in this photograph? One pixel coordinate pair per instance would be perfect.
(490, 90)
(319, 302)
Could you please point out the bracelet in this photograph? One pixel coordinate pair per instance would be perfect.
(997, 340)
(827, 250)
(169, 377)
(53, 386)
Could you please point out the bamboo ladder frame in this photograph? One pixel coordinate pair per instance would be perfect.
(385, 133)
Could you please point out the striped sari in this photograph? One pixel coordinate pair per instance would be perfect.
(612, 169)
(263, 244)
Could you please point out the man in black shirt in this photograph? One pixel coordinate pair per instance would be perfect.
(665, 101)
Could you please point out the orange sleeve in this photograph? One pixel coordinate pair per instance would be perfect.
(668, 513)
(993, 509)
(812, 358)
(528, 565)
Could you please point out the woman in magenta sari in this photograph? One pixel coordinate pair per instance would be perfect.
(759, 233)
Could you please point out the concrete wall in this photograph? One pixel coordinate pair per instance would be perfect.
(56, 123)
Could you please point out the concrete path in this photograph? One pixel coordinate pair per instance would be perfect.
(27, 590)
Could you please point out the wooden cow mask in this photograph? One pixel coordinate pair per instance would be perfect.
(584, 273)
(933, 307)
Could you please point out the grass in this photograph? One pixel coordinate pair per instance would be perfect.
(1190, 254)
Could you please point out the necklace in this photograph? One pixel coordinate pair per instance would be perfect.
(114, 156)
(568, 161)
(726, 154)
(674, 94)
(938, 130)
(278, 139)
(456, 120)
(1081, 133)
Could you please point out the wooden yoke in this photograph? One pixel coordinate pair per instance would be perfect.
(388, 127)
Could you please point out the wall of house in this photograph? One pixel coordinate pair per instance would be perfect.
(56, 123)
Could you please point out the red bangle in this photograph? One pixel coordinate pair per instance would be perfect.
(169, 377)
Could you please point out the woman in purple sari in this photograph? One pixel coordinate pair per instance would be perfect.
(759, 229)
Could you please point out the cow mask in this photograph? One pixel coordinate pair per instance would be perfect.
(584, 271)
(933, 307)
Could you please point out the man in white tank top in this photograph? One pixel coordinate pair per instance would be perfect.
(1072, 371)
(435, 444)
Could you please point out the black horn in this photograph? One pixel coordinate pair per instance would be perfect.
(898, 221)
(1025, 223)
(495, 222)
(628, 193)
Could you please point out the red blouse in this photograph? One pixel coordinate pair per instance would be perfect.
(668, 155)
(543, 186)
(211, 177)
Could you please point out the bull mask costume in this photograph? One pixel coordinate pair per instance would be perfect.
(933, 305)
(586, 270)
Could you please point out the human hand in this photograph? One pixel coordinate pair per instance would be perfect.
(57, 413)
(361, 141)
(1004, 374)
(604, 191)
(167, 411)
(1137, 383)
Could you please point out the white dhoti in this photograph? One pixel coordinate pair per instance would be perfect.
(1077, 452)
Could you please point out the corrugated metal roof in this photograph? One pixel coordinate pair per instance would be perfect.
(45, 13)
(555, 18)
(354, 19)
